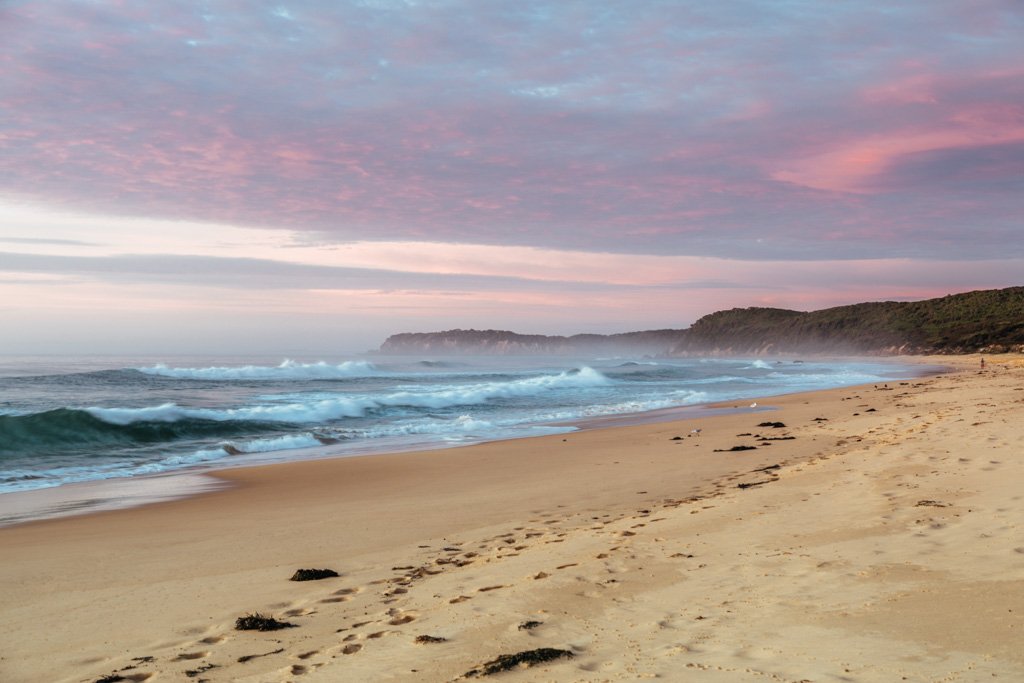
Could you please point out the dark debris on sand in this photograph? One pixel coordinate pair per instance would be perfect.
(112, 678)
(192, 673)
(774, 425)
(430, 639)
(248, 658)
(524, 659)
(258, 622)
(735, 448)
(530, 625)
(754, 483)
(313, 574)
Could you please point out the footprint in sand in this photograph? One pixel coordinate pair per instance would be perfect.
(351, 649)
(213, 640)
(135, 677)
(402, 619)
(191, 655)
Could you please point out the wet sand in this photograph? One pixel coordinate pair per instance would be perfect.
(874, 537)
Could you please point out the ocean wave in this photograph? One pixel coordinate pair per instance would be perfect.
(288, 369)
(170, 421)
(682, 397)
(63, 429)
(288, 442)
(463, 424)
(297, 413)
(475, 394)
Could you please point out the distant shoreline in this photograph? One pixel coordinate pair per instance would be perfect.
(984, 321)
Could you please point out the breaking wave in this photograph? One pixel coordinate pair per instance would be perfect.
(70, 429)
(287, 370)
(73, 427)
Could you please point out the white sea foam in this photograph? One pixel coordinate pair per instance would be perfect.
(326, 407)
(288, 369)
(475, 394)
(460, 425)
(638, 405)
(278, 443)
(317, 411)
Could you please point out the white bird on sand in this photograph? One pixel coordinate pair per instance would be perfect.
(754, 404)
(695, 431)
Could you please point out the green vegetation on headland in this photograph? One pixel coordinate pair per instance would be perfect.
(990, 321)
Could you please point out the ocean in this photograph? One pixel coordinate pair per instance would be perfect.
(68, 420)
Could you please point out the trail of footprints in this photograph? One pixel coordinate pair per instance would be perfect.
(551, 527)
(356, 635)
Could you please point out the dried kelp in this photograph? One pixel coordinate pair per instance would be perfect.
(524, 659)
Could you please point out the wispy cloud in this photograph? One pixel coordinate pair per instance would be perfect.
(45, 240)
(635, 127)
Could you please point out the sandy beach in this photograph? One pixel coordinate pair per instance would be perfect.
(871, 534)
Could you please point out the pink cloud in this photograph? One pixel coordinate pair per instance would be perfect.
(661, 129)
(913, 115)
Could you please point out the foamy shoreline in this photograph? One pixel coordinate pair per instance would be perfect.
(68, 427)
(879, 543)
(101, 495)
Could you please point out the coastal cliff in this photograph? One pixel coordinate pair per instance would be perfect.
(989, 321)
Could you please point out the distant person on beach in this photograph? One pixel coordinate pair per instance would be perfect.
(983, 363)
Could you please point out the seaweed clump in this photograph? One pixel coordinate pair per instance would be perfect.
(313, 574)
(524, 659)
(430, 639)
(192, 673)
(258, 622)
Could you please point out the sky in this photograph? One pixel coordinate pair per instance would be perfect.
(310, 177)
